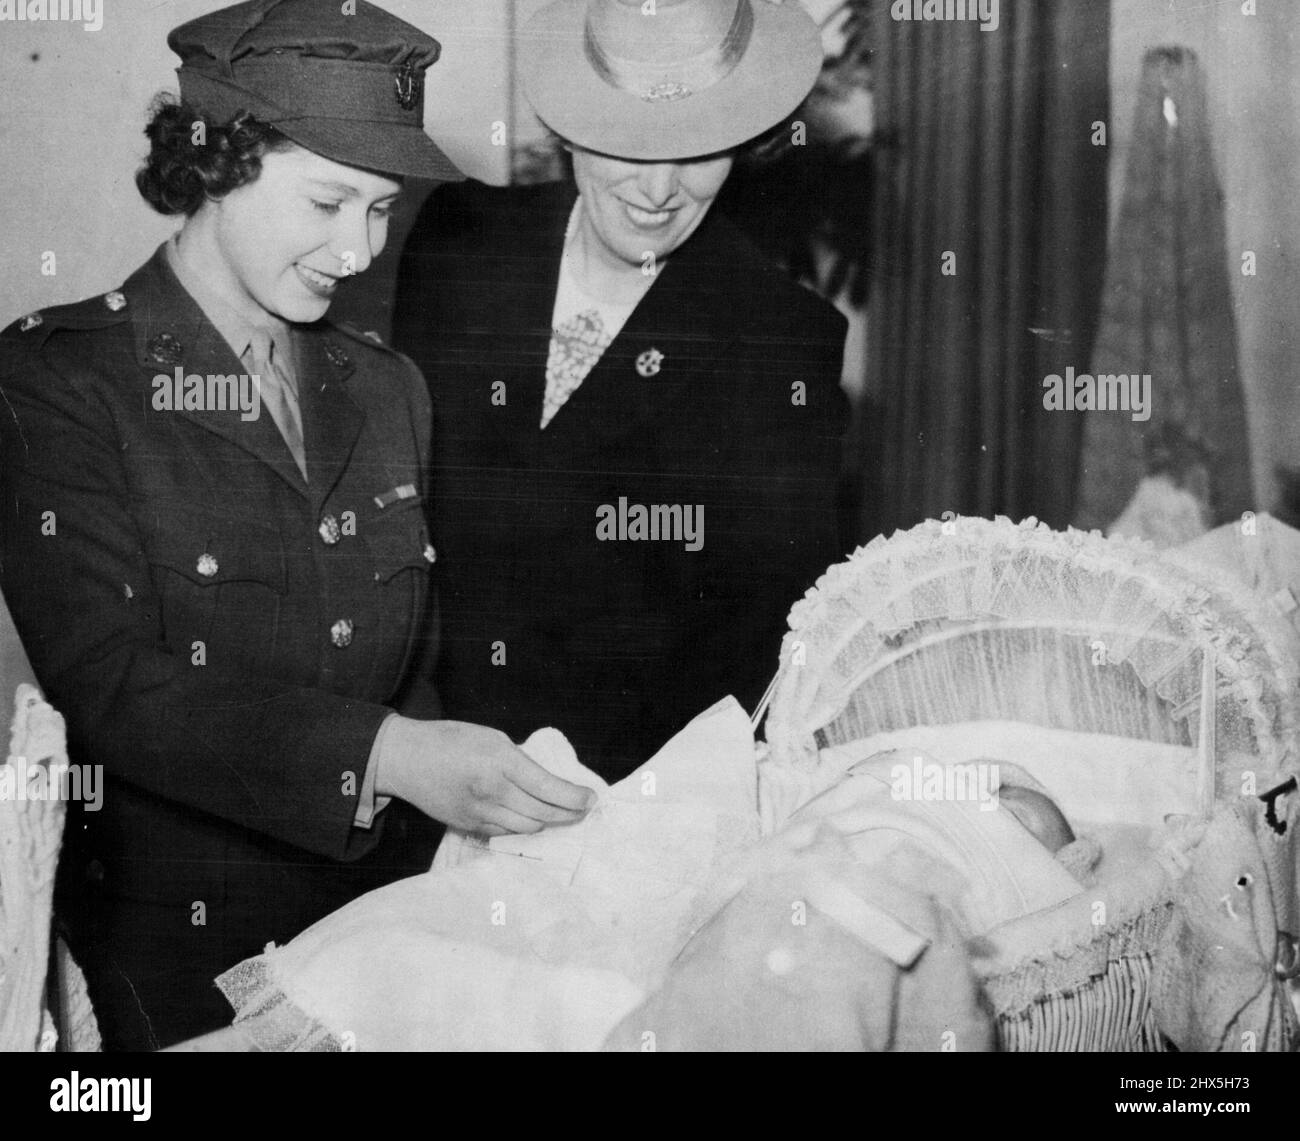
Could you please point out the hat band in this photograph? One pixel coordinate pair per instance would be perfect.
(283, 89)
(656, 83)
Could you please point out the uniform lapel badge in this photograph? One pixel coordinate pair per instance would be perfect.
(337, 357)
(116, 301)
(166, 349)
(649, 363)
(31, 321)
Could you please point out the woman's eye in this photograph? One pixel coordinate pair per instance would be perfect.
(326, 207)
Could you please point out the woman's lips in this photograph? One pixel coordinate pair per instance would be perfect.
(321, 284)
(644, 219)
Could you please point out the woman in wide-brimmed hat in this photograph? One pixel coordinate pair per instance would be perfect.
(213, 538)
(638, 418)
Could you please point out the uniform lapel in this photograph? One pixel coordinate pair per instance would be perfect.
(331, 419)
(175, 334)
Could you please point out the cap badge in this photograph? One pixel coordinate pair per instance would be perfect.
(166, 349)
(410, 86)
(649, 363)
(115, 301)
(337, 357)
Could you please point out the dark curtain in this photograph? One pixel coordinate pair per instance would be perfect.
(986, 151)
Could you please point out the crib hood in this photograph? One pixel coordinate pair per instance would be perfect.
(973, 619)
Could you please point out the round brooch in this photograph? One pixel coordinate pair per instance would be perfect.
(649, 363)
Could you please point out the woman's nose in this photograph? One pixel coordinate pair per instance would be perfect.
(658, 183)
(351, 244)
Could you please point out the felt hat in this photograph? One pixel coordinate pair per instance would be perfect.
(667, 79)
(348, 85)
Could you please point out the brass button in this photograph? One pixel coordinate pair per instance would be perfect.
(207, 566)
(329, 531)
(430, 553)
(341, 633)
(116, 301)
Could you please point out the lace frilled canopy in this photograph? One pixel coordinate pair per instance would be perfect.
(975, 619)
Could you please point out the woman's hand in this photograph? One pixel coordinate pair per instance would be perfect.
(473, 779)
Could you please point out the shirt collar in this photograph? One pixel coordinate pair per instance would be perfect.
(235, 319)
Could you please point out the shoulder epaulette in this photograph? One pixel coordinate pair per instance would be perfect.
(373, 339)
(98, 312)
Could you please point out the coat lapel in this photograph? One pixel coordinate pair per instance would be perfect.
(331, 419)
(175, 333)
(522, 310)
(671, 344)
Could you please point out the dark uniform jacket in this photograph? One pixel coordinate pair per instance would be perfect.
(721, 392)
(222, 637)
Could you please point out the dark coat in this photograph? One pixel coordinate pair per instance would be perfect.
(616, 643)
(128, 537)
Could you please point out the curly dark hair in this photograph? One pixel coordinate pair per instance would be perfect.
(180, 175)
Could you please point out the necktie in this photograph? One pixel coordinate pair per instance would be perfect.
(279, 394)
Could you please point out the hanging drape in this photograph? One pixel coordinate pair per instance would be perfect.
(1167, 313)
(988, 246)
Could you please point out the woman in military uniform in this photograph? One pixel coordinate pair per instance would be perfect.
(213, 537)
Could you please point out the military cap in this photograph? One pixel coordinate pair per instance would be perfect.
(343, 80)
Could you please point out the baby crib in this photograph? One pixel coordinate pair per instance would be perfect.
(1173, 692)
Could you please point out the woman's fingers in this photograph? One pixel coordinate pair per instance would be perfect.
(525, 804)
(574, 800)
(501, 821)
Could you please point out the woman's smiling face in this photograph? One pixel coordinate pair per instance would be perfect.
(288, 238)
(635, 209)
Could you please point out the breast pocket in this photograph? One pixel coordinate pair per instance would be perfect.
(400, 565)
(398, 540)
(219, 577)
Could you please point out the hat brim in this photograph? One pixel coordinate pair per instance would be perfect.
(776, 73)
(384, 148)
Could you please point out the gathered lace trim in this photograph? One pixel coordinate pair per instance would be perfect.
(991, 577)
(268, 1018)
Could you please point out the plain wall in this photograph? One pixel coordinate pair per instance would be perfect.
(1252, 72)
